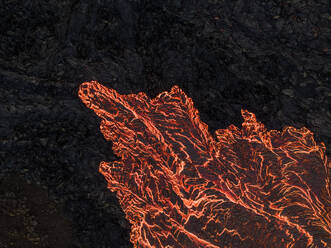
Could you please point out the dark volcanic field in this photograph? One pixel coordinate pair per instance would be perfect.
(270, 57)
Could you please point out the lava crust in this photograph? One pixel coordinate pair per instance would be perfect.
(181, 187)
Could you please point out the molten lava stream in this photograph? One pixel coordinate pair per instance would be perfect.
(181, 187)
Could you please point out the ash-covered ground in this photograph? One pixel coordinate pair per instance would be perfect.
(272, 58)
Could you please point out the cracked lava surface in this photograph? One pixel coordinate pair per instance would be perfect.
(179, 186)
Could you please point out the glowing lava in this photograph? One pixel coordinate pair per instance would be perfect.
(180, 187)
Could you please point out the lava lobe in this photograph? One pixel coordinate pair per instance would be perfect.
(181, 187)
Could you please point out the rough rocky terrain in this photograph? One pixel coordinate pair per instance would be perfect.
(270, 57)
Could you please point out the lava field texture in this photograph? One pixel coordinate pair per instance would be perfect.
(242, 63)
(179, 187)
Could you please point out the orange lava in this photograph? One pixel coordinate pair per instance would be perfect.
(181, 187)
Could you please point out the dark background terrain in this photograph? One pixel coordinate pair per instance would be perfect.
(271, 57)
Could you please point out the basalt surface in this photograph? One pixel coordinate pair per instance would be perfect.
(271, 58)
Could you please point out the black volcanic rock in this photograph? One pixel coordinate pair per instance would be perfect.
(270, 57)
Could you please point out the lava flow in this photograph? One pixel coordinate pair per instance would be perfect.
(181, 187)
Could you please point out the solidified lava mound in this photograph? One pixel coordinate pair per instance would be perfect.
(181, 187)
